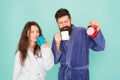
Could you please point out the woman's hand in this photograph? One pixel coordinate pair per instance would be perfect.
(47, 45)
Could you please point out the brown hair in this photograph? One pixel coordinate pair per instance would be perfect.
(24, 44)
(62, 12)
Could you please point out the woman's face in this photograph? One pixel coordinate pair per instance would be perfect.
(33, 33)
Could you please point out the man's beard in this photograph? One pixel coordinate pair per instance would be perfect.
(67, 28)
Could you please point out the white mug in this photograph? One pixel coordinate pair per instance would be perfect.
(65, 35)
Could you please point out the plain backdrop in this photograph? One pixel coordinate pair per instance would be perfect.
(15, 13)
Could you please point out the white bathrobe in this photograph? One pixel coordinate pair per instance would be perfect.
(35, 67)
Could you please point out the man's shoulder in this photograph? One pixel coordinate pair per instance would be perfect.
(79, 28)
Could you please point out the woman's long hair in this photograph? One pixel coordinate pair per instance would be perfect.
(24, 42)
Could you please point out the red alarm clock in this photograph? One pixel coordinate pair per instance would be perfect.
(92, 31)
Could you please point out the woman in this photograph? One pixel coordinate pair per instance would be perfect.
(32, 60)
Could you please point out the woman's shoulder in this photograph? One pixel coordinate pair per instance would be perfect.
(17, 53)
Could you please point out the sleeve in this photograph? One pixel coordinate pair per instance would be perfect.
(17, 66)
(47, 57)
(55, 53)
(97, 43)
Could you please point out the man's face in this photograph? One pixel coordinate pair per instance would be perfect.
(63, 22)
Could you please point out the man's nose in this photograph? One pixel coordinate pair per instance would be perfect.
(64, 24)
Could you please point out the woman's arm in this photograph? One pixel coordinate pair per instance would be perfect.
(47, 56)
(17, 66)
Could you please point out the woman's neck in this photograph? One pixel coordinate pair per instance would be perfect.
(32, 46)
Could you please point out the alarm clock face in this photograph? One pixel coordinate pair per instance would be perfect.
(90, 31)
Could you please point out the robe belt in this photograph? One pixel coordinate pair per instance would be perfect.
(69, 68)
(32, 75)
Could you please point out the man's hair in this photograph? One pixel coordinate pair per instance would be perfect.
(62, 12)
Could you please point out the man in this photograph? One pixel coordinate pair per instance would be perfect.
(73, 54)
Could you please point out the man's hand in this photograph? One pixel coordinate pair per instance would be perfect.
(58, 38)
(57, 41)
(96, 24)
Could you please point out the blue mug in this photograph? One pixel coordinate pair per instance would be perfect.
(41, 41)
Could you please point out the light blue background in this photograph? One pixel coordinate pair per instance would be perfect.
(15, 13)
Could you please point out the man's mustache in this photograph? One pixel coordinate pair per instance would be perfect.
(66, 28)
